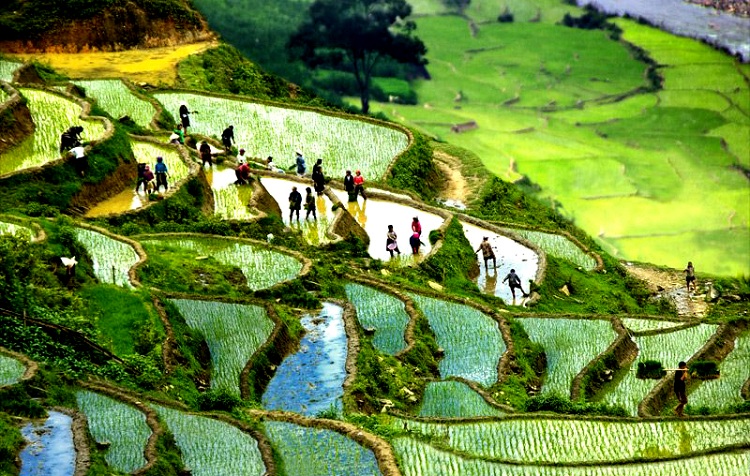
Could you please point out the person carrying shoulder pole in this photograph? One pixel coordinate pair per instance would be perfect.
(680, 388)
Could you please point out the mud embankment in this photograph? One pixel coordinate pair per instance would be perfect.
(15, 119)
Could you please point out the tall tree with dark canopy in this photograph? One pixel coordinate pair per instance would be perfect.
(354, 35)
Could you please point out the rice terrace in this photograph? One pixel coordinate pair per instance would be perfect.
(502, 289)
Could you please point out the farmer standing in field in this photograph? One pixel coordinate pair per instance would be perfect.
(690, 276)
(416, 227)
(161, 173)
(299, 161)
(205, 151)
(349, 185)
(514, 282)
(390, 241)
(295, 203)
(487, 253)
(310, 204)
(227, 137)
(318, 177)
(184, 116)
(680, 388)
(359, 187)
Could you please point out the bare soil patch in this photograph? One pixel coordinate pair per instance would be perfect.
(670, 284)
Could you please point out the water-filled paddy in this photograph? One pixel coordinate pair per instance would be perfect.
(471, 339)
(213, 448)
(669, 349)
(509, 255)
(121, 425)
(451, 399)
(375, 216)
(641, 325)
(558, 246)
(734, 372)
(52, 115)
(316, 371)
(49, 449)
(313, 230)
(129, 199)
(261, 267)
(381, 312)
(111, 259)
(319, 452)
(266, 130)
(230, 200)
(570, 344)
(11, 370)
(233, 332)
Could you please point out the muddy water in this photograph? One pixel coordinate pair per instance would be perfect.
(49, 447)
(509, 255)
(375, 216)
(130, 199)
(230, 200)
(311, 380)
(685, 19)
(314, 231)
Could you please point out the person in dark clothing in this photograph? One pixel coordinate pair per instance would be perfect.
(161, 174)
(141, 168)
(184, 116)
(299, 160)
(690, 276)
(680, 388)
(71, 138)
(390, 241)
(515, 283)
(349, 185)
(415, 243)
(148, 180)
(310, 204)
(243, 174)
(206, 157)
(318, 177)
(295, 203)
(227, 137)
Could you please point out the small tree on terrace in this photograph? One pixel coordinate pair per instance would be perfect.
(356, 34)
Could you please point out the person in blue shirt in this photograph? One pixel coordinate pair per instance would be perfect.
(161, 173)
(300, 163)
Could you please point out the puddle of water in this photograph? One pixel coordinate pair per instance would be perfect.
(375, 216)
(230, 200)
(317, 371)
(49, 450)
(314, 231)
(509, 255)
(685, 19)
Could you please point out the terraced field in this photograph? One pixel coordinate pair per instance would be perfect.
(381, 312)
(119, 101)
(111, 259)
(11, 370)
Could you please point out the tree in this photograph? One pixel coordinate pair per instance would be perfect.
(354, 35)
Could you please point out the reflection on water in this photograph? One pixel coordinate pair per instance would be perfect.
(122, 202)
(317, 371)
(375, 216)
(314, 231)
(685, 19)
(49, 449)
(510, 255)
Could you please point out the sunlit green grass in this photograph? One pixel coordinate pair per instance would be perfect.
(115, 98)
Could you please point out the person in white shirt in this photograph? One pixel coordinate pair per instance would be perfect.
(80, 163)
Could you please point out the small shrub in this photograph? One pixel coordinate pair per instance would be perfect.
(704, 369)
(220, 399)
(650, 369)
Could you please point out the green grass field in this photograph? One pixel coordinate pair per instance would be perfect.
(567, 114)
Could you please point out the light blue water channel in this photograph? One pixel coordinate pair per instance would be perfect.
(311, 380)
(49, 450)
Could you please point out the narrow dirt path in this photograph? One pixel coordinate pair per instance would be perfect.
(456, 187)
(670, 284)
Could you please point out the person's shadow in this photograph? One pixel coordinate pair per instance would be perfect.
(490, 281)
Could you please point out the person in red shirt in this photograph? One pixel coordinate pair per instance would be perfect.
(416, 227)
(243, 174)
(359, 187)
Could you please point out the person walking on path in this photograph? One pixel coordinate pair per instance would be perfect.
(349, 185)
(310, 204)
(161, 173)
(206, 157)
(690, 276)
(299, 161)
(295, 203)
(416, 227)
(514, 282)
(148, 180)
(390, 241)
(680, 388)
(487, 253)
(227, 138)
(184, 116)
(318, 177)
(359, 185)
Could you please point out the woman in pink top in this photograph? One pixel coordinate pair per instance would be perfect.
(416, 227)
(359, 187)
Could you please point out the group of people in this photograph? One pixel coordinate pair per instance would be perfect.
(72, 145)
(513, 280)
(295, 204)
(415, 241)
(146, 176)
